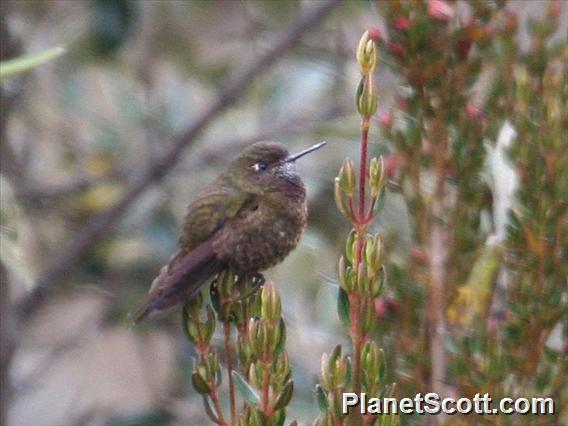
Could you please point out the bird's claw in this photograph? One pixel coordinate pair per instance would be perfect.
(257, 280)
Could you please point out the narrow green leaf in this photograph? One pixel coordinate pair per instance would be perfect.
(209, 324)
(245, 390)
(214, 294)
(321, 398)
(282, 341)
(13, 67)
(285, 396)
(343, 307)
(380, 204)
(335, 355)
(209, 410)
(199, 383)
(185, 319)
(358, 96)
(278, 418)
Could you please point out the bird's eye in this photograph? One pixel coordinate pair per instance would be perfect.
(259, 167)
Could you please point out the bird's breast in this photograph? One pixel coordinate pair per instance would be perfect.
(262, 237)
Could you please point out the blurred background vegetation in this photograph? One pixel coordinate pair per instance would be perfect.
(94, 129)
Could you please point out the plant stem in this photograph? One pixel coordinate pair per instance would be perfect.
(356, 341)
(361, 228)
(215, 399)
(202, 350)
(363, 167)
(265, 404)
(230, 368)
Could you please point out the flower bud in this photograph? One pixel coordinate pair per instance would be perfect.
(270, 306)
(418, 254)
(376, 176)
(392, 166)
(375, 34)
(377, 280)
(366, 54)
(199, 384)
(463, 47)
(323, 371)
(347, 277)
(347, 177)
(255, 374)
(401, 23)
(371, 360)
(212, 366)
(351, 246)
(385, 119)
(367, 316)
(373, 252)
(339, 198)
(341, 272)
(362, 279)
(209, 325)
(440, 10)
(397, 50)
(251, 417)
(473, 112)
(285, 396)
(366, 97)
(282, 368)
(245, 351)
(555, 9)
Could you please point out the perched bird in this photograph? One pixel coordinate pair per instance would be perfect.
(248, 219)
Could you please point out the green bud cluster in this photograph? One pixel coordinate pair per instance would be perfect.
(366, 280)
(262, 356)
(263, 378)
(366, 99)
(206, 375)
(345, 185)
(336, 373)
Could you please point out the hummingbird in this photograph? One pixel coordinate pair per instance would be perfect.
(248, 219)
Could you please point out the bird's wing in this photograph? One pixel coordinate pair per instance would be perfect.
(180, 279)
(184, 274)
(209, 212)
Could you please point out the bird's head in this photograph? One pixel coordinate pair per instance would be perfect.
(268, 167)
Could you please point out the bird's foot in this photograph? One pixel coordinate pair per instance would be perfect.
(256, 279)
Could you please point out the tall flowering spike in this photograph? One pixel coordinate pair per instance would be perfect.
(360, 269)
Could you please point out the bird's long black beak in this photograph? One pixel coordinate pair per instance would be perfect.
(294, 157)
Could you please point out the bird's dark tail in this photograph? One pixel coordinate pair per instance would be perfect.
(180, 280)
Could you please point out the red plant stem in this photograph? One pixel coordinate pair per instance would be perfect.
(356, 340)
(266, 389)
(203, 349)
(215, 398)
(352, 215)
(360, 226)
(230, 368)
(363, 167)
